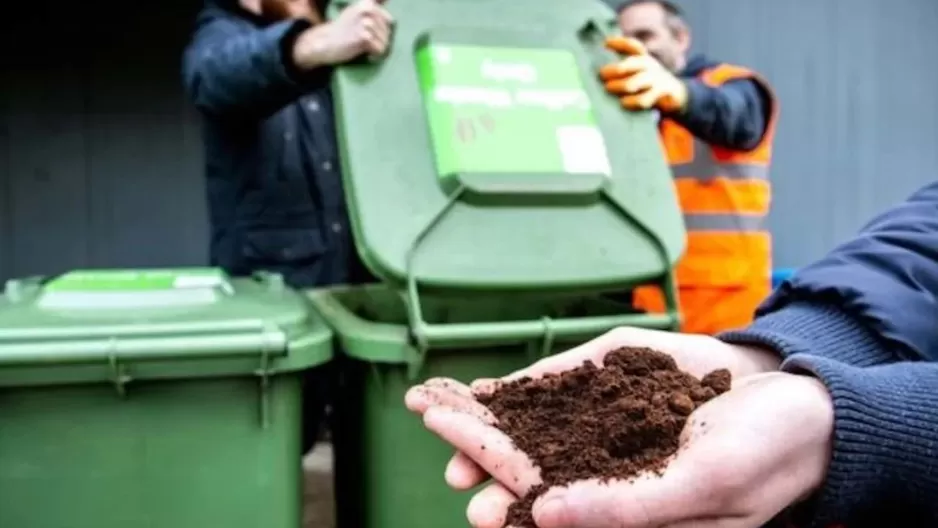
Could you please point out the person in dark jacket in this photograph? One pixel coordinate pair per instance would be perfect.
(717, 126)
(832, 421)
(258, 71)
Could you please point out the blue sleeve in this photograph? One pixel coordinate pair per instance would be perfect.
(875, 296)
(734, 115)
(231, 69)
(863, 320)
(884, 462)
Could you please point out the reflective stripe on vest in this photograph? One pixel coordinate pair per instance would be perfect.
(742, 223)
(725, 196)
(703, 169)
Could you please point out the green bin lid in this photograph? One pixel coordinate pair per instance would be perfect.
(175, 323)
(482, 153)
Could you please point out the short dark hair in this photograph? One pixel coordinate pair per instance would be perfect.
(673, 13)
(670, 8)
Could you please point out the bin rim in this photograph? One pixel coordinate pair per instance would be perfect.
(410, 342)
(261, 329)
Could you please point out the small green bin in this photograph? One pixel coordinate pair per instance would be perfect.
(389, 469)
(156, 398)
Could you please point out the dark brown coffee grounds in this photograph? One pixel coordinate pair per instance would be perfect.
(612, 422)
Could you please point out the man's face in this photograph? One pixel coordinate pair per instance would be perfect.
(648, 23)
(284, 9)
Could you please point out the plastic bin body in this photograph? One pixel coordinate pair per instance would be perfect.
(181, 413)
(389, 469)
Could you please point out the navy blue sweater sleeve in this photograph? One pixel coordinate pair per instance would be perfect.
(734, 115)
(883, 283)
(885, 445)
(232, 69)
(862, 319)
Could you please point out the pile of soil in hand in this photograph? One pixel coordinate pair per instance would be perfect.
(612, 422)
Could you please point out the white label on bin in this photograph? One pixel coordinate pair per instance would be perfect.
(583, 150)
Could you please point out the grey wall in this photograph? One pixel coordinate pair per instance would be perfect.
(100, 159)
(859, 126)
(99, 153)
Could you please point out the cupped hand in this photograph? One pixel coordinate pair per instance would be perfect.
(695, 354)
(744, 457)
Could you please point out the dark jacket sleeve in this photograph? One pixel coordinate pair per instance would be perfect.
(863, 320)
(734, 115)
(232, 69)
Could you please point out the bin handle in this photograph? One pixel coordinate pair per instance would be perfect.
(427, 335)
(593, 37)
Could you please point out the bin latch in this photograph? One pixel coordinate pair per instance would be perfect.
(119, 376)
(263, 373)
(271, 344)
(538, 349)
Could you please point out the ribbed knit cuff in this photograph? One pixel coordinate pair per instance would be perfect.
(818, 329)
(885, 451)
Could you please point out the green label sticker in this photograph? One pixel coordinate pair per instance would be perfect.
(509, 110)
(136, 280)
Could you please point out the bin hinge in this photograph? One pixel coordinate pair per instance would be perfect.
(119, 376)
(418, 349)
(264, 389)
(538, 350)
(265, 371)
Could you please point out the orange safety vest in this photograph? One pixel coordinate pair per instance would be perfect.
(726, 270)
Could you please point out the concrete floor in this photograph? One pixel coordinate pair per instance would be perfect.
(319, 510)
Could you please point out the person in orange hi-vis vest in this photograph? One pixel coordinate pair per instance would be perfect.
(717, 124)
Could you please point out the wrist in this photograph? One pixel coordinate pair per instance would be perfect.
(675, 99)
(751, 359)
(681, 95)
(816, 460)
(308, 49)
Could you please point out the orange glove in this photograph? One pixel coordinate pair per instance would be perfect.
(640, 80)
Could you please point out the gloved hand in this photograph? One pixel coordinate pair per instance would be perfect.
(640, 80)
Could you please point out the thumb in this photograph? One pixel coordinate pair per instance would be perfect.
(626, 46)
(647, 502)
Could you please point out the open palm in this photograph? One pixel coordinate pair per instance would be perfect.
(745, 456)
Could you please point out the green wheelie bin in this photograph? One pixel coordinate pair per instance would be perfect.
(157, 398)
(496, 190)
(388, 468)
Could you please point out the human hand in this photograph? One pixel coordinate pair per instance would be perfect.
(640, 80)
(695, 354)
(362, 28)
(744, 457)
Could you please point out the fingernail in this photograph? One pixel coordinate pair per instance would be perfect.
(548, 511)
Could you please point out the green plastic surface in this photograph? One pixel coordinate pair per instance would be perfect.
(170, 454)
(388, 466)
(133, 399)
(474, 153)
(113, 325)
(531, 97)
